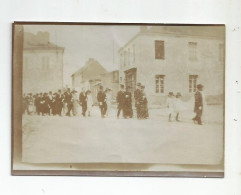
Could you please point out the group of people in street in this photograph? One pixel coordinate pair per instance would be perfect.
(59, 103)
(67, 103)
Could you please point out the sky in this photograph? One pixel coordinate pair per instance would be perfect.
(82, 42)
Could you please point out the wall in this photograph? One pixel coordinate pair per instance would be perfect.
(37, 78)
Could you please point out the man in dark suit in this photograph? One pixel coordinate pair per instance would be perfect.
(101, 97)
(82, 101)
(137, 96)
(68, 100)
(198, 106)
(120, 99)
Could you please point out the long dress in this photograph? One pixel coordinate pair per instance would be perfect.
(75, 104)
(108, 102)
(144, 114)
(89, 101)
(171, 105)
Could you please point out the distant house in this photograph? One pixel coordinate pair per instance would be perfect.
(42, 64)
(107, 80)
(81, 77)
(176, 59)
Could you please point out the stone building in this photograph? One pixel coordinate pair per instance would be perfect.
(175, 59)
(42, 64)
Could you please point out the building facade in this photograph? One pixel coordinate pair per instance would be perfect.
(42, 64)
(175, 59)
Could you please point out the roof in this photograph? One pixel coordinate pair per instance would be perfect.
(38, 41)
(90, 62)
(203, 31)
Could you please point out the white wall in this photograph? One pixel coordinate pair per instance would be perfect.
(185, 11)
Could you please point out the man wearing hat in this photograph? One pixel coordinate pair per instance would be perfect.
(137, 96)
(198, 106)
(120, 99)
(68, 101)
(101, 97)
(82, 101)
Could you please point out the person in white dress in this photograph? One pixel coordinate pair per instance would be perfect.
(170, 105)
(178, 105)
(89, 101)
(108, 101)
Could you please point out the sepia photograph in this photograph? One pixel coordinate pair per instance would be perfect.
(118, 99)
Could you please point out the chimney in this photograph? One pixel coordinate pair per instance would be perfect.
(43, 37)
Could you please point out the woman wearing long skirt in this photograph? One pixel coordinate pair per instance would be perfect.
(108, 101)
(75, 103)
(89, 101)
(144, 113)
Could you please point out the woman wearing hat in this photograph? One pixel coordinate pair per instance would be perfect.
(170, 105)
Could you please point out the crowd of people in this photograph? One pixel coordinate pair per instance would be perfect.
(67, 103)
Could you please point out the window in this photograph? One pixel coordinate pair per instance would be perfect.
(221, 52)
(160, 83)
(192, 47)
(159, 50)
(193, 83)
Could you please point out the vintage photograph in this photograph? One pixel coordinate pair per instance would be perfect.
(114, 99)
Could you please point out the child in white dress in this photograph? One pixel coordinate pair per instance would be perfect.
(170, 105)
(178, 105)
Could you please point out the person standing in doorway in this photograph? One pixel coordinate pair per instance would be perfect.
(199, 103)
(101, 97)
(120, 99)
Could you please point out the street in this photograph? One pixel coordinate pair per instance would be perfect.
(55, 139)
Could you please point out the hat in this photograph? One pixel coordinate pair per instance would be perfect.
(179, 94)
(143, 86)
(122, 86)
(199, 86)
(170, 94)
(138, 84)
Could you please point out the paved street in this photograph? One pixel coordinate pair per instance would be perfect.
(54, 139)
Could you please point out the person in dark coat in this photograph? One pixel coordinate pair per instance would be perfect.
(101, 97)
(82, 101)
(127, 104)
(137, 96)
(144, 114)
(46, 106)
(59, 98)
(198, 106)
(120, 99)
(68, 100)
